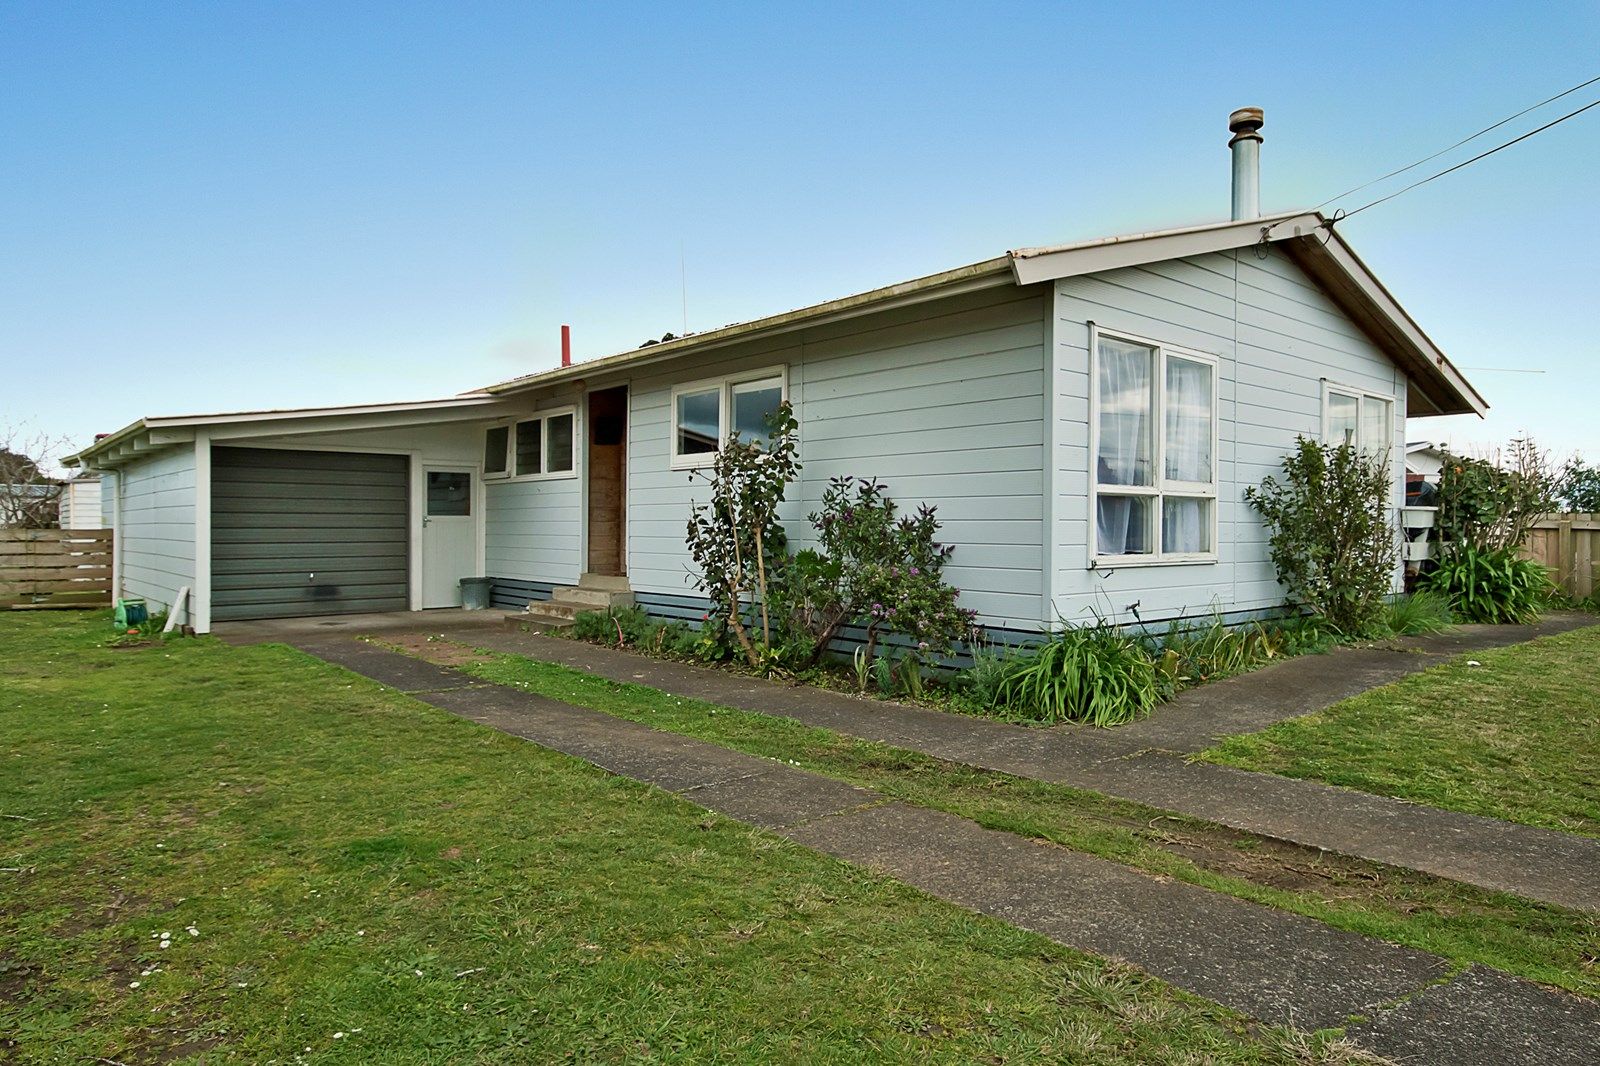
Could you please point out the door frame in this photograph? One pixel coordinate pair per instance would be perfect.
(419, 493)
(588, 473)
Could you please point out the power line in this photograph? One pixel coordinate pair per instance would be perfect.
(1458, 144)
(1474, 159)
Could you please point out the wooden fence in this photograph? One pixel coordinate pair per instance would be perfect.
(1569, 547)
(42, 568)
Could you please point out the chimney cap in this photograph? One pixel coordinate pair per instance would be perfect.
(1246, 122)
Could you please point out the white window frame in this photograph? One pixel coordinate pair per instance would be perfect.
(543, 418)
(1361, 396)
(724, 387)
(1163, 487)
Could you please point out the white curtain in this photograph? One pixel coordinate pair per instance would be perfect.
(1185, 524)
(1126, 443)
(1188, 420)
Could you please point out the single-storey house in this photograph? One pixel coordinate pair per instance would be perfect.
(1085, 417)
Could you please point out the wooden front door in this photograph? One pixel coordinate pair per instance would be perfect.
(608, 480)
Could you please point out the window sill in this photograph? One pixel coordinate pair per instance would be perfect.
(1122, 562)
(694, 462)
(501, 479)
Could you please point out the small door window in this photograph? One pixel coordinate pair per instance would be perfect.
(449, 493)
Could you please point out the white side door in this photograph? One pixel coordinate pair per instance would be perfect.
(449, 535)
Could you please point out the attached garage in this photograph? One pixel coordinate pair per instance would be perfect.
(296, 533)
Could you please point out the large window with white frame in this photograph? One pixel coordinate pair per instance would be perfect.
(704, 413)
(544, 446)
(1362, 419)
(1154, 451)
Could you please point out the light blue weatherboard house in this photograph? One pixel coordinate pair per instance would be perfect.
(1085, 417)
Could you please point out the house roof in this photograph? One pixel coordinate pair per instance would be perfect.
(160, 431)
(1308, 237)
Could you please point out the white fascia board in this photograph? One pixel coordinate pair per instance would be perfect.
(425, 407)
(149, 433)
(1033, 265)
(334, 423)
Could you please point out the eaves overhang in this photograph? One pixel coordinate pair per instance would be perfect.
(148, 435)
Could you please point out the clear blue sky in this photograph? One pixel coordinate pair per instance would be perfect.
(219, 206)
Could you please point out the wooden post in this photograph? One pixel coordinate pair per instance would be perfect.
(1564, 554)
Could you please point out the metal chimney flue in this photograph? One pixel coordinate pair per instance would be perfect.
(1245, 125)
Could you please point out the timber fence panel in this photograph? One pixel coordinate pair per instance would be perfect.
(1568, 545)
(42, 568)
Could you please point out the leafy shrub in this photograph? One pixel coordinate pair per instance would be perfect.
(1332, 543)
(1491, 586)
(1490, 504)
(1097, 675)
(1424, 611)
(735, 539)
(874, 567)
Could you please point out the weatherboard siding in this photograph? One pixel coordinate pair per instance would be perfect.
(156, 529)
(534, 530)
(1277, 338)
(942, 402)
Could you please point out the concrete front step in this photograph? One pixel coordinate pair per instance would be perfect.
(588, 599)
(605, 582)
(541, 618)
(594, 592)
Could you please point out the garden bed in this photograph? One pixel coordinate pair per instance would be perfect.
(991, 684)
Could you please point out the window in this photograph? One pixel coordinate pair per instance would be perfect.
(449, 494)
(539, 447)
(494, 450)
(704, 413)
(530, 447)
(1364, 420)
(1155, 477)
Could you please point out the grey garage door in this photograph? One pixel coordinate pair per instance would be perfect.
(303, 533)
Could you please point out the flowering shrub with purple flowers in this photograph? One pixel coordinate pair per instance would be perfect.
(874, 568)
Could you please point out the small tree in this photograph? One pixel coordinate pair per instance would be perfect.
(1580, 488)
(875, 568)
(29, 497)
(1332, 542)
(735, 537)
(1491, 503)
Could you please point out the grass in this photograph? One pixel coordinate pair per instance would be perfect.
(1516, 737)
(1462, 923)
(343, 874)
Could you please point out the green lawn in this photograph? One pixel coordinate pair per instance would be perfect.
(1517, 737)
(1460, 922)
(343, 874)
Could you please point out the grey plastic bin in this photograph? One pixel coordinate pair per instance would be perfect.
(474, 593)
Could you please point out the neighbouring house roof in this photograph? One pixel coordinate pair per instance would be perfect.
(153, 433)
(1308, 237)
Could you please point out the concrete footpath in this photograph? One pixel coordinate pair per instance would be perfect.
(1272, 965)
(1147, 761)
